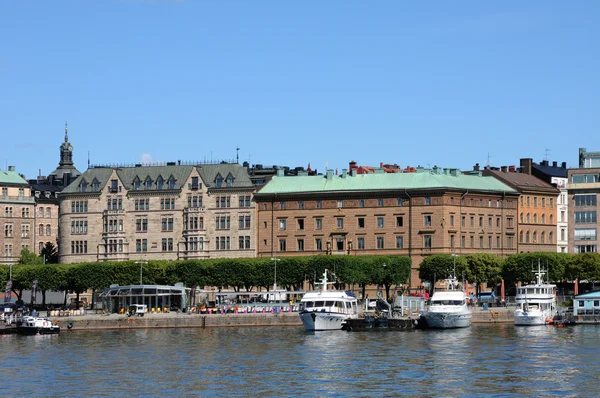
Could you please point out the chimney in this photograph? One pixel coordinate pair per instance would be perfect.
(280, 172)
(563, 165)
(526, 165)
(352, 165)
(512, 169)
(344, 173)
(504, 169)
(545, 163)
(554, 164)
(476, 167)
(329, 175)
(11, 168)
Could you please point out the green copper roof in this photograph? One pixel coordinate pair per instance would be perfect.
(11, 177)
(383, 182)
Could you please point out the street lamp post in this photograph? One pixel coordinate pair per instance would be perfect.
(141, 263)
(275, 259)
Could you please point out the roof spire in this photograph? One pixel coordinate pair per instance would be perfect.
(66, 131)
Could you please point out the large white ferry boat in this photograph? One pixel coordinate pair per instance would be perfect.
(536, 304)
(448, 308)
(327, 309)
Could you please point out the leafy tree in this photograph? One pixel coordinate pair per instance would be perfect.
(483, 267)
(29, 258)
(50, 253)
(441, 266)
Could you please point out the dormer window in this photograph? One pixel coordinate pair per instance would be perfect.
(95, 185)
(148, 183)
(171, 183)
(136, 184)
(159, 182)
(219, 181)
(84, 186)
(229, 180)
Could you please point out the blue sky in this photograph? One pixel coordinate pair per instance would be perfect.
(319, 82)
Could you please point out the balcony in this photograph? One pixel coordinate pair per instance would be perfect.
(113, 212)
(194, 187)
(194, 209)
(17, 199)
(113, 189)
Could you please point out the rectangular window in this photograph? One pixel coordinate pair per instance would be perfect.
(379, 202)
(497, 242)
(282, 245)
(399, 203)
(472, 239)
(490, 222)
(427, 241)
(585, 217)
(282, 205)
(452, 241)
(585, 234)
(427, 220)
(481, 242)
(361, 203)
(340, 204)
(318, 223)
(399, 221)
(472, 221)
(361, 243)
(300, 245)
(451, 220)
(380, 242)
(481, 221)
(379, 222)
(585, 200)
(399, 242)
(282, 225)
(319, 204)
(318, 244)
(361, 222)
(300, 224)
(340, 223)
(428, 201)
(462, 221)
(300, 204)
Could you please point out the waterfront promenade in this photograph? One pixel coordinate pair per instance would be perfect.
(187, 320)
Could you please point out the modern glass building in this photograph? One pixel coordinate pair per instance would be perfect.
(118, 297)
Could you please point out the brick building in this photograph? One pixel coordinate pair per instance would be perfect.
(17, 214)
(158, 212)
(536, 209)
(412, 214)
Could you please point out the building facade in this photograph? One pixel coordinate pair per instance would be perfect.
(411, 214)
(584, 187)
(536, 209)
(46, 190)
(17, 216)
(557, 176)
(158, 212)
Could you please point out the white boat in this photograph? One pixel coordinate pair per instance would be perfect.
(31, 325)
(448, 308)
(327, 309)
(536, 304)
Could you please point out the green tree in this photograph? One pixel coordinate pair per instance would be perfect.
(483, 267)
(29, 258)
(441, 266)
(50, 253)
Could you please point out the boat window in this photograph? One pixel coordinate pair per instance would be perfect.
(329, 304)
(531, 291)
(596, 303)
(309, 304)
(319, 303)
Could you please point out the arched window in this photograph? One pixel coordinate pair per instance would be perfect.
(171, 183)
(521, 218)
(535, 218)
(543, 219)
(48, 212)
(534, 236)
(229, 180)
(159, 182)
(543, 237)
(48, 230)
(550, 240)
(148, 183)
(521, 237)
(551, 219)
(84, 186)
(527, 237)
(527, 218)
(41, 247)
(41, 212)
(41, 230)
(219, 181)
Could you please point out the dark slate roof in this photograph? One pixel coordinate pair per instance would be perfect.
(60, 171)
(43, 187)
(180, 173)
(240, 174)
(522, 181)
(550, 171)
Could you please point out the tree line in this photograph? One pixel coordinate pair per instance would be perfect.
(248, 274)
(485, 267)
(240, 274)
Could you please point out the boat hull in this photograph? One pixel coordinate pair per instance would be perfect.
(444, 320)
(529, 318)
(32, 331)
(322, 320)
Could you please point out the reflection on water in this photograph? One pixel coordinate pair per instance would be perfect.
(481, 360)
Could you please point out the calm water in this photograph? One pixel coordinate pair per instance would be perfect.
(496, 360)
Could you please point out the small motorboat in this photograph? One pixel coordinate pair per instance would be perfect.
(31, 325)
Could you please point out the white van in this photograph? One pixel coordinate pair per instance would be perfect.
(137, 309)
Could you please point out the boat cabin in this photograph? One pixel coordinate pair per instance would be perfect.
(320, 305)
(531, 291)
